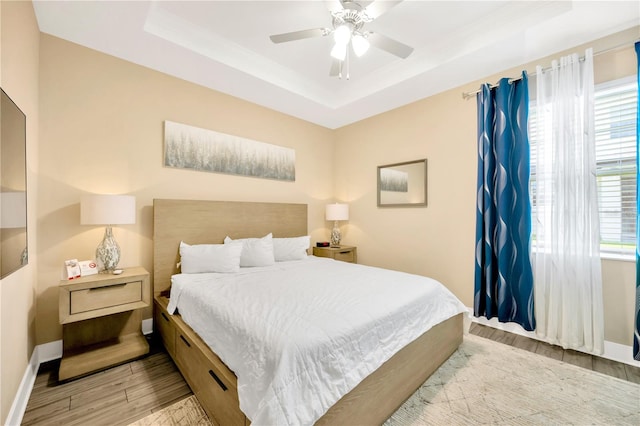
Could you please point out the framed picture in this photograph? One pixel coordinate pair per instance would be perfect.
(403, 184)
(189, 147)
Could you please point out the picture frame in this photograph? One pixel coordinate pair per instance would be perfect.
(194, 148)
(403, 184)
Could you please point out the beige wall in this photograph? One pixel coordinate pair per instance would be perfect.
(438, 240)
(102, 132)
(19, 78)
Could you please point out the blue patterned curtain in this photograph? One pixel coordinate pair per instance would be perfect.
(503, 275)
(636, 328)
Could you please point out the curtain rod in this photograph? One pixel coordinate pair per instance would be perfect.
(469, 95)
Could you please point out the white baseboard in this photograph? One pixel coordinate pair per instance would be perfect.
(620, 353)
(49, 351)
(43, 353)
(612, 351)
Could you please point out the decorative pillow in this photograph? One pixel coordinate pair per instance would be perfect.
(291, 248)
(255, 251)
(201, 258)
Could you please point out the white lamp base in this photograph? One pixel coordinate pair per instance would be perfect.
(108, 252)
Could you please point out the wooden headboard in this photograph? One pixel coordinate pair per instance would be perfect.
(208, 222)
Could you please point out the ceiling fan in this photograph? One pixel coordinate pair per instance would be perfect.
(348, 20)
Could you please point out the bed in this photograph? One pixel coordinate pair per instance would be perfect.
(371, 401)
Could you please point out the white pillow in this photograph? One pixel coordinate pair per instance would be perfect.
(291, 248)
(255, 251)
(203, 258)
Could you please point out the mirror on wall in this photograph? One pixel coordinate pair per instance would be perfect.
(403, 184)
(13, 187)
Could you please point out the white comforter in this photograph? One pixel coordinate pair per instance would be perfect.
(299, 335)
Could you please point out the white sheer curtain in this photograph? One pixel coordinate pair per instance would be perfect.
(566, 247)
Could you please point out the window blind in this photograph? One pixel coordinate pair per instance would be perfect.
(615, 133)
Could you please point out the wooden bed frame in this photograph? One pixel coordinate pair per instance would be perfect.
(195, 222)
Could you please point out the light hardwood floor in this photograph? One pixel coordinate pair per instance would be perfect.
(131, 391)
(117, 396)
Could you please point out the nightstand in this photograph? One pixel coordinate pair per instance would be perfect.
(343, 253)
(101, 320)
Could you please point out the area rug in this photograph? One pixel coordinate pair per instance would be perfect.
(185, 412)
(486, 382)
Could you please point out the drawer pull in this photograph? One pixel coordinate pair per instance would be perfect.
(186, 342)
(107, 287)
(217, 379)
(164, 316)
(345, 252)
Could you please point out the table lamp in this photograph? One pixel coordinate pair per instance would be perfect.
(336, 212)
(108, 210)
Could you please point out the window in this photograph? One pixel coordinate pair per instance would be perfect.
(615, 133)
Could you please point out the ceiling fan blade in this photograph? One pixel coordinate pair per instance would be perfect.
(299, 35)
(333, 5)
(390, 45)
(380, 7)
(335, 68)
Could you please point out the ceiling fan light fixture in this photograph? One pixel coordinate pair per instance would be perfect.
(348, 18)
(360, 45)
(339, 51)
(342, 34)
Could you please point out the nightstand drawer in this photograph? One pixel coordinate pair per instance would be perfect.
(341, 253)
(345, 256)
(104, 297)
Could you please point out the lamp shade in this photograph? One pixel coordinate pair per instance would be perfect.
(108, 210)
(13, 209)
(337, 212)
